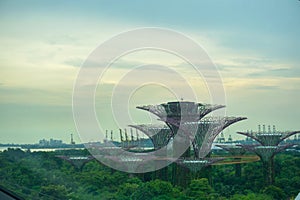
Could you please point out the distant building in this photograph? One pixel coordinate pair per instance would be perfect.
(50, 143)
(43, 143)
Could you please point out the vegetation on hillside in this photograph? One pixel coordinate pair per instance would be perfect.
(42, 175)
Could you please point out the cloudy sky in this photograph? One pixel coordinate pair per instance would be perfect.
(255, 46)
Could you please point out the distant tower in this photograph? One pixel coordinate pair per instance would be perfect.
(137, 134)
(72, 141)
(230, 138)
(131, 133)
(222, 138)
(126, 136)
(121, 136)
(111, 136)
(137, 138)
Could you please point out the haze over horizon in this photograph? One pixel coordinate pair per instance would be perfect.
(255, 46)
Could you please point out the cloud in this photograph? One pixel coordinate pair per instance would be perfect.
(36, 96)
(280, 72)
(264, 87)
(62, 39)
(74, 62)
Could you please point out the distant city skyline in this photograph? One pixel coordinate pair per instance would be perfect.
(255, 46)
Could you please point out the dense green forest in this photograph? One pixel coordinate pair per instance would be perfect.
(42, 175)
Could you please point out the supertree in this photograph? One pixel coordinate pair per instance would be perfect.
(77, 161)
(185, 126)
(178, 116)
(268, 146)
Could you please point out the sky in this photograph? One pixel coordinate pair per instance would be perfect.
(254, 44)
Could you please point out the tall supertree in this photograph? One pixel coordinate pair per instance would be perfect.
(269, 145)
(179, 114)
(186, 127)
(175, 114)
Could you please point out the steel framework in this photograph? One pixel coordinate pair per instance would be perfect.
(207, 130)
(269, 138)
(178, 112)
(186, 121)
(77, 161)
(159, 135)
(269, 145)
(197, 164)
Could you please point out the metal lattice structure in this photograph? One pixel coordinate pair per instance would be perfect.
(77, 161)
(207, 131)
(159, 135)
(136, 163)
(197, 164)
(266, 152)
(269, 145)
(129, 162)
(269, 138)
(174, 113)
(186, 120)
(185, 126)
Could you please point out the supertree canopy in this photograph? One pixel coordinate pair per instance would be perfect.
(185, 123)
(159, 135)
(269, 138)
(269, 145)
(195, 165)
(208, 129)
(174, 113)
(77, 161)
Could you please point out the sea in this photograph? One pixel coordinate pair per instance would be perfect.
(37, 149)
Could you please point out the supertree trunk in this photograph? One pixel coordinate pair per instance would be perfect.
(209, 169)
(268, 167)
(174, 173)
(183, 176)
(184, 173)
(238, 170)
(272, 171)
(163, 174)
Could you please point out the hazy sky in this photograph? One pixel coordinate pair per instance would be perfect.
(254, 44)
